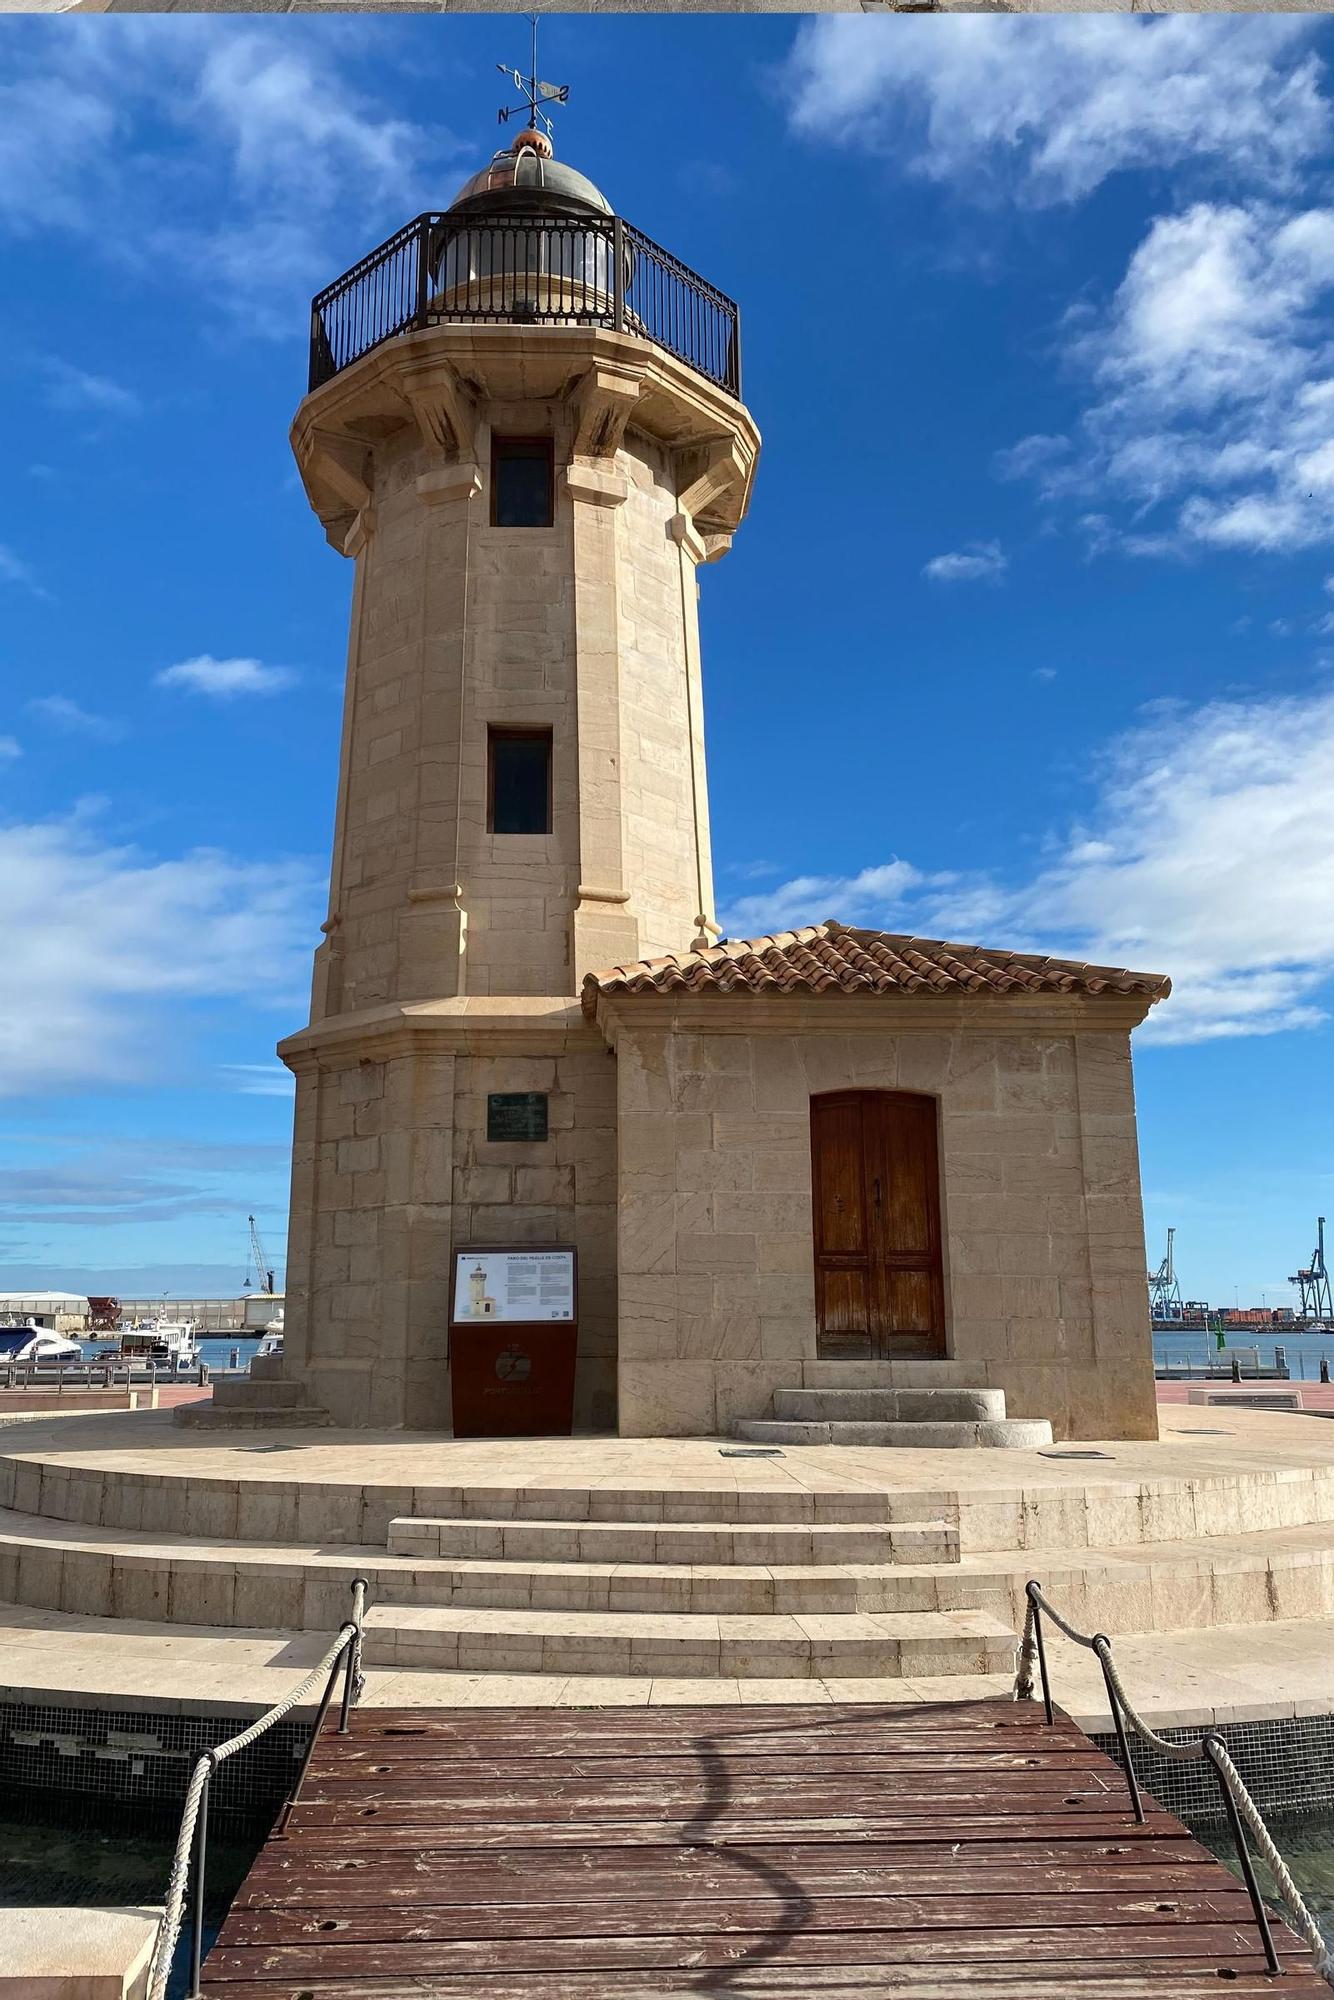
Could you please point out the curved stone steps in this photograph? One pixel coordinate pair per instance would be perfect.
(554, 1642)
(1004, 1433)
(1271, 1575)
(889, 1405)
(673, 1542)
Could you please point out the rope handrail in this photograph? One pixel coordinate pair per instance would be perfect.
(347, 1642)
(1209, 1748)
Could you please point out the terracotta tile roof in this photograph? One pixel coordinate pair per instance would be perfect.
(832, 958)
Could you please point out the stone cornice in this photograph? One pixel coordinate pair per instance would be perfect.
(465, 1026)
(433, 380)
(868, 1013)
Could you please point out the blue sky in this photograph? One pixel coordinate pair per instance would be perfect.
(1027, 639)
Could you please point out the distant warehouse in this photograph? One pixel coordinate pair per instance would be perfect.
(62, 1312)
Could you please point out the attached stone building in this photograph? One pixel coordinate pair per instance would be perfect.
(529, 466)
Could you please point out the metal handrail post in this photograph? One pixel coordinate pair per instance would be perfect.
(197, 1899)
(1244, 1857)
(618, 275)
(1032, 1590)
(1123, 1742)
(423, 256)
(316, 1727)
(352, 1668)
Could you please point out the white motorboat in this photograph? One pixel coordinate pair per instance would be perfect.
(271, 1341)
(165, 1342)
(24, 1340)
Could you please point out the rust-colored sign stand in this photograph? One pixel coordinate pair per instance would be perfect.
(511, 1377)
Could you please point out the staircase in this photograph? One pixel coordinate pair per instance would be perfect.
(260, 1401)
(924, 1419)
(746, 1585)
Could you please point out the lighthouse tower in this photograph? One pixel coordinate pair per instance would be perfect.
(524, 429)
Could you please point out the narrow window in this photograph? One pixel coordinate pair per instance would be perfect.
(519, 781)
(521, 482)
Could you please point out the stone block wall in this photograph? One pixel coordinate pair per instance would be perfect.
(588, 628)
(1044, 1240)
(392, 1170)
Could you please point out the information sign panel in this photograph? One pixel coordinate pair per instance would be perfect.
(519, 1287)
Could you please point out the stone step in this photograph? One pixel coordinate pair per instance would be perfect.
(628, 1643)
(757, 1506)
(1253, 1579)
(924, 1373)
(688, 1542)
(910, 1406)
(256, 1416)
(738, 1589)
(266, 1367)
(242, 1392)
(1009, 1434)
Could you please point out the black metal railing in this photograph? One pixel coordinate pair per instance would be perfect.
(1240, 1808)
(190, 1860)
(525, 270)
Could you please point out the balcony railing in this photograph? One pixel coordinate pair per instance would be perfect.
(525, 270)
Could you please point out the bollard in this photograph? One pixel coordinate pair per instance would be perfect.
(1236, 1368)
(1324, 1368)
(235, 1360)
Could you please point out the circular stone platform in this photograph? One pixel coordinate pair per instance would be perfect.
(140, 1560)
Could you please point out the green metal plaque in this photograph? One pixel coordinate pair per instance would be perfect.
(516, 1114)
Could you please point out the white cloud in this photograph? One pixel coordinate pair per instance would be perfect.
(260, 1079)
(110, 951)
(10, 747)
(13, 569)
(255, 161)
(65, 714)
(224, 679)
(1046, 110)
(74, 389)
(1206, 853)
(1211, 416)
(1044, 674)
(978, 562)
(809, 899)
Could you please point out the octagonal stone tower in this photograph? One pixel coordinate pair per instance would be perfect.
(524, 428)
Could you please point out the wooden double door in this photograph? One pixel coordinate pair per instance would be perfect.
(879, 1285)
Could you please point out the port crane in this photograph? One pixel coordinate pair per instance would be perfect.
(1312, 1282)
(1164, 1290)
(263, 1275)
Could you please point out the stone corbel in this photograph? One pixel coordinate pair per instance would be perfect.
(336, 470)
(709, 474)
(604, 403)
(596, 485)
(356, 537)
(447, 483)
(444, 412)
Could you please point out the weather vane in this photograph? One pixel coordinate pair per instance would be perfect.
(533, 91)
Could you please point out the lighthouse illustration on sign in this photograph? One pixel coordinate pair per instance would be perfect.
(480, 1303)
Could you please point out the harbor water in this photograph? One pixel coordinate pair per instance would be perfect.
(217, 1349)
(1181, 1353)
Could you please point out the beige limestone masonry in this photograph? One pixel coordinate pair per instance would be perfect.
(392, 1166)
(451, 954)
(1041, 1197)
(208, 1540)
(588, 628)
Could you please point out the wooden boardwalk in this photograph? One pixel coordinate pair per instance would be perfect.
(835, 1852)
